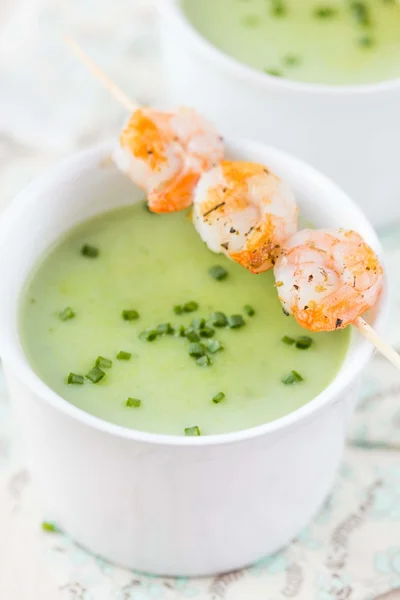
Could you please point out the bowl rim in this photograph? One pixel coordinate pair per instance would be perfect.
(172, 10)
(14, 355)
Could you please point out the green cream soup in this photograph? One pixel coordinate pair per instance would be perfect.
(332, 42)
(143, 292)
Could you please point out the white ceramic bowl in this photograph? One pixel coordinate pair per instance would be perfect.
(348, 132)
(165, 504)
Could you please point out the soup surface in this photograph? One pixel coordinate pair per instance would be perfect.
(333, 42)
(130, 271)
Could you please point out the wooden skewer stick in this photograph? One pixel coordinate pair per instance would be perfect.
(370, 334)
(367, 331)
(101, 75)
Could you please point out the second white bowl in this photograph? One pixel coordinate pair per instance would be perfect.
(348, 132)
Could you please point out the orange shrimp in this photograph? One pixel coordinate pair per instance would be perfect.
(166, 153)
(243, 210)
(328, 278)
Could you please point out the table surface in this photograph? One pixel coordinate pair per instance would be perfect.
(49, 107)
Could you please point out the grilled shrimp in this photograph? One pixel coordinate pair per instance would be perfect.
(166, 153)
(246, 212)
(327, 278)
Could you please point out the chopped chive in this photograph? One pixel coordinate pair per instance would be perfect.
(89, 251)
(103, 363)
(165, 329)
(122, 355)
(288, 340)
(133, 402)
(196, 349)
(235, 321)
(278, 8)
(198, 323)
(218, 398)
(190, 306)
(207, 332)
(178, 309)
(251, 20)
(95, 375)
(249, 310)
(273, 72)
(148, 335)
(50, 527)
(218, 319)
(191, 335)
(203, 361)
(292, 377)
(360, 13)
(325, 12)
(76, 379)
(303, 342)
(130, 315)
(192, 430)
(214, 346)
(66, 314)
(180, 331)
(218, 272)
(366, 41)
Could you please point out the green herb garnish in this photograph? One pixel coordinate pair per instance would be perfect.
(360, 13)
(192, 335)
(292, 377)
(165, 329)
(50, 527)
(190, 306)
(288, 340)
(218, 319)
(148, 335)
(214, 346)
(75, 379)
(235, 321)
(103, 363)
(195, 349)
(278, 8)
(273, 72)
(207, 332)
(249, 310)
(198, 323)
(133, 402)
(130, 315)
(180, 331)
(192, 430)
(178, 309)
(95, 375)
(303, 342)
(122, 355)
(218, 272)
(218, 398)
(203, 361)
(66, 314)
(89, 251)
(325, 12)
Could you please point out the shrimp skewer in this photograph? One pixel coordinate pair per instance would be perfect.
(246, 212)
(327, 279)
(121, 97)
(164, 153)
